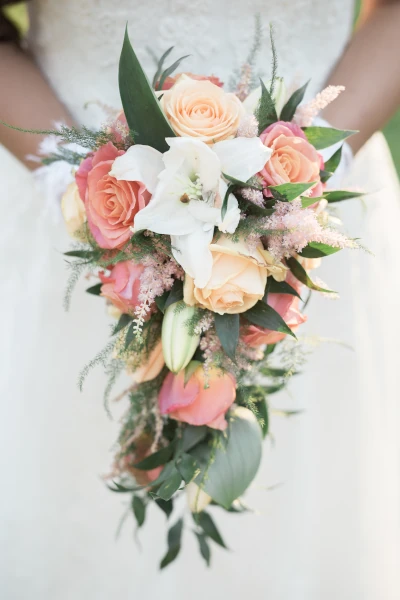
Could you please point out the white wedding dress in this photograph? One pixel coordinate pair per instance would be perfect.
(330, 530)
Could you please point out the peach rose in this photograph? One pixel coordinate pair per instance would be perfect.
(122, 286)
(238, 278)
(194, 403)
(150, 367)
(111, 205)
(202, 110)
(73, 211)
(287, 307)
(293, 160)
(170, 81)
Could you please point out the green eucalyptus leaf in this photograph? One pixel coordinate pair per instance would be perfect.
(323, 137)
(205, 522)
(141, 106)
(95, 289)
(339, 195)
(236, 464)
(187, 467)
(286, 192)
(318, 250)
(192, 436)
(204, 547)
(157, 459)
(301, 274)
(291, 105)
(227, 328)
(139, 510)
(265, 316)
(174, 543)
(171, 485)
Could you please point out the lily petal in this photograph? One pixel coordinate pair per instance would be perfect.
(198, 159)
(242, 157)
(139, 163)
(193, 253)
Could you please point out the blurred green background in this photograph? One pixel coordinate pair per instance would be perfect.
(18, 14)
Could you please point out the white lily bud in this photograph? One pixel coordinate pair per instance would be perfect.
(279, 96)
(198, 500)
(177, 343)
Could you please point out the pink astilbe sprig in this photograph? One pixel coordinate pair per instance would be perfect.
(244, 83)
(305, 114)
(252, 195)
(158, 277)
(299, 227)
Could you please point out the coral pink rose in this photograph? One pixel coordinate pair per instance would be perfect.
(170, 81)
(122, 286)
(111, 205)
(287, 307)
(293, 160)
(195, 404)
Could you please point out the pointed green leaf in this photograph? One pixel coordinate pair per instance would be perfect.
(281, 287)
(306, 202)
(205, 522)
(317, 250)
(291, 105)
(263, 412)
(139, 510)
(323, 137)
(123, 321)
(192, 436)
(170, 485)
(170, 70)
(224, 208)
(175, 294)
(160, 66)
(95, 289)
(157, 459)
(227, 328)
(301, 274)
(87, 254)
(204, 547)
(141, 106)
(330, 166)
(265, 316)
(174, 543)
(286, 192)
(338, 195)
(130, 334)
(166, 506)
(161, 300)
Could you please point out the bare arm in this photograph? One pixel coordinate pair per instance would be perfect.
(26, 100)
(370, 71)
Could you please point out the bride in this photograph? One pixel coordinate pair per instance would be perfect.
(327, 495)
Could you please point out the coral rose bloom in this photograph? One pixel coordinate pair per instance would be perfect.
(293, 160)
(195, 404)
(288, 308)
(238, 278)
(170, 81)
(202, 110)
(122, 286)
(111, 205)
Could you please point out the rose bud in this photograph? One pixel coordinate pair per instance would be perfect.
(177, 343)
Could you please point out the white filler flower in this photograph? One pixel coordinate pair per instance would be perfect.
(188, 189)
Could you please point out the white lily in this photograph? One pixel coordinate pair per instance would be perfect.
(188, 189)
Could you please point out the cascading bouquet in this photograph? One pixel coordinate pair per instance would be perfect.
(201, 213)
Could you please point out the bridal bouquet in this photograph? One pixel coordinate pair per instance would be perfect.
(201, 213)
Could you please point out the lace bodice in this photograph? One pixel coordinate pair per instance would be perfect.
(77, 42)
